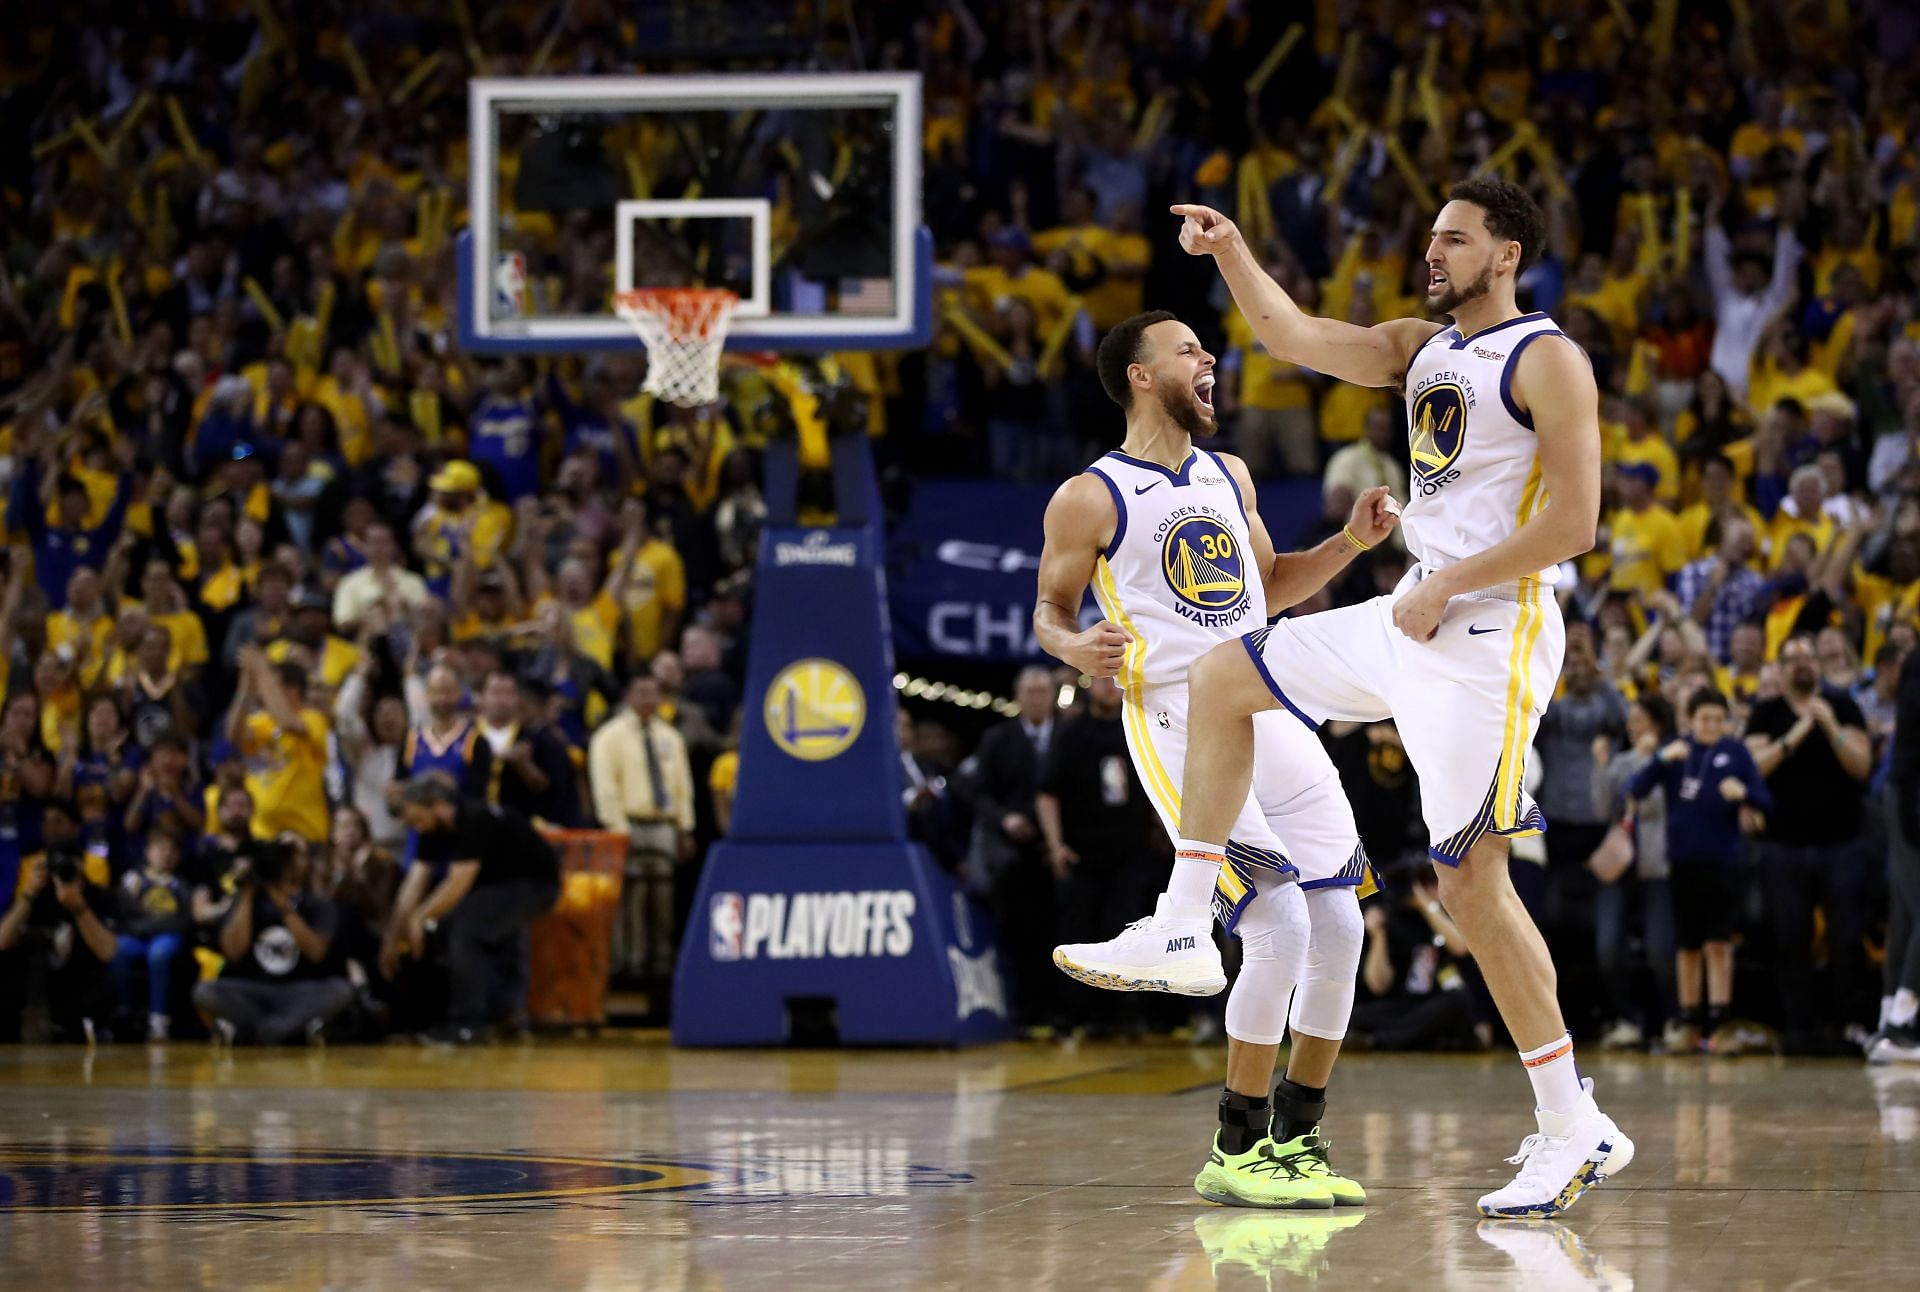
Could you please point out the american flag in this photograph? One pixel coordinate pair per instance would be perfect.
(866, 296)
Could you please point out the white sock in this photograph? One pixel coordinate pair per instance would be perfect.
(1196, 867)
(1906, 1007)
(1886, 1014)
(1556, 1082)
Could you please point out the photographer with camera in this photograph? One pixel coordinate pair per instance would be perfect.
(53, 937)
(278, 983)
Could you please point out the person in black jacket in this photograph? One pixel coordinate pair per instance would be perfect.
(1899, 1038)
(1811, 744)
(496, 876)
(518, 760)
(1100, 831)
(1005, 860)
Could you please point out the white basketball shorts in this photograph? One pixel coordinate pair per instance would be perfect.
(1296, 823)
(1466, 703)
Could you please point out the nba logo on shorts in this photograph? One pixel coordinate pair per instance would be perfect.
(510, 285)
(726, 921)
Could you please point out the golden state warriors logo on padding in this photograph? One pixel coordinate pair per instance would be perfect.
(1438, 427)
(1203, 565)
(815, 709)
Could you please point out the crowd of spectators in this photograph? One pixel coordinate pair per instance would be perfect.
(277, 545)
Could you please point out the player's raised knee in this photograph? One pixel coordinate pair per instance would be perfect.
(1224, 679)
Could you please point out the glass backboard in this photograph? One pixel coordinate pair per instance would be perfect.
(799, 192)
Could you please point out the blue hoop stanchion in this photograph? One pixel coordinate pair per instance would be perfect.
(817, 896)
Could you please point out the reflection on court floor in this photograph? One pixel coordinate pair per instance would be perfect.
(628, 1164)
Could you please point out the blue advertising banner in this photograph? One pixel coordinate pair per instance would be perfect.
(963, 559)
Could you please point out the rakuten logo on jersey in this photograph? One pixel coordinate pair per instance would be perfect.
(811, 926)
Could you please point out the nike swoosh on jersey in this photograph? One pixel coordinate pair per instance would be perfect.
(1140, 489)
(1474, 630)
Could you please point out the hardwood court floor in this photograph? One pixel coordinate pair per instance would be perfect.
(626, 1164)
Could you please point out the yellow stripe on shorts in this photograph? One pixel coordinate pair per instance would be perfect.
(1133, 671)
(1516, 735)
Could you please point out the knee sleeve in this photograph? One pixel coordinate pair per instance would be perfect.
(1273, 935)
(1323, 1002)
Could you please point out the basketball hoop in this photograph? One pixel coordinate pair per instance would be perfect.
(684, 330)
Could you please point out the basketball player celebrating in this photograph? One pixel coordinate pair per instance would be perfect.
(1464, 654)
(1179, 560)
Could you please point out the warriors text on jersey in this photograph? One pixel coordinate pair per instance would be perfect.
(1179, 573)
(1475, 470)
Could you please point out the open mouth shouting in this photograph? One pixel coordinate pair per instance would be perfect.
(1203, 391)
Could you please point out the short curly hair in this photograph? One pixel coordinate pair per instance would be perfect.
(1511, 215)
(1120, 350)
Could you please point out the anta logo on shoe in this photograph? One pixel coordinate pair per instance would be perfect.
(1179, 944)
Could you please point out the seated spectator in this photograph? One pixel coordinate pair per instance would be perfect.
(278, 984)
(154, 920)
(55, 946)
(498, 875)
(1416, 994)
(222, 862)
(361, 879)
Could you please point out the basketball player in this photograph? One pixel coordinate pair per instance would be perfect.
(1464, 654)
(1169, 536)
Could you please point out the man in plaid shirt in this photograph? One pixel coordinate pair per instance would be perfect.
(1721, 590)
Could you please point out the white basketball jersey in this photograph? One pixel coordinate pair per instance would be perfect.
(1475, 467)
(1179, 572)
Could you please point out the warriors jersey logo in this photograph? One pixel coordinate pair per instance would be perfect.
(1203, 564)
(1438, 429)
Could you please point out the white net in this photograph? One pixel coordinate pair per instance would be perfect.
(684, 330)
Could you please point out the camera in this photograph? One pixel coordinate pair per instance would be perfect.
(63, 864)
(270, 862)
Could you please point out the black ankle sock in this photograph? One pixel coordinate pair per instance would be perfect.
(1690, 1015)
(1244, 1120)
(1718, 1014)
(1297, 1109)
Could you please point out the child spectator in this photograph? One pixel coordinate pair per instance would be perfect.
(1713, 791)
(153, 922)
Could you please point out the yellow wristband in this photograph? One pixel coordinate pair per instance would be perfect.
(1351, 537)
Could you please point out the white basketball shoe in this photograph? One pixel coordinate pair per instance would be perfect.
(1572, 1152)
(1171, 950)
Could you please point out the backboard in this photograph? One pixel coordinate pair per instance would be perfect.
(799, 192)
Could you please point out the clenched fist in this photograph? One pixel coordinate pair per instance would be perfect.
(1100, 650)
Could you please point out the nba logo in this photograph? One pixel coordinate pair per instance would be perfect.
(726, 920)
(510, 285)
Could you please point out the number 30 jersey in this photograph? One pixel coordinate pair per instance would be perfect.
(1179, 573)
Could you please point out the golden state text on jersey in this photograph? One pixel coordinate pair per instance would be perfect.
(1437, 412)
(1204, 563)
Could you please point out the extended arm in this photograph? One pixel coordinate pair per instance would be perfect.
(450, 892)
(1365, 356)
